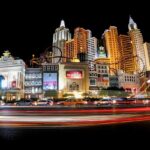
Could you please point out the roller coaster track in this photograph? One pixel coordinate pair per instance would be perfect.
(46, 57)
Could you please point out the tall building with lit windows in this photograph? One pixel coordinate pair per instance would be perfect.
(61, 35)
(92, 48)
(82, 46)
(128, 61)
(80, 40)
(137, 44)
(147, 55)
(69, 51)
(111, 44)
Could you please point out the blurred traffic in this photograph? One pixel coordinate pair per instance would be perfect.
(82, 102)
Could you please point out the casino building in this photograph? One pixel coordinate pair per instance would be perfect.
(12, 74)
(55, 80)
(73, 77)
(33, 83)
(65, 78)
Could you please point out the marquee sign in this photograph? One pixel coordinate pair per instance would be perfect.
(74, 74)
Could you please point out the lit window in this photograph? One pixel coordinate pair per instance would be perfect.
(44, 68)
(92, 82)
(48, 68)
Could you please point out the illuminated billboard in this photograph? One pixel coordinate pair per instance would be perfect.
(10, 80)
(74, 74)
(50, 81)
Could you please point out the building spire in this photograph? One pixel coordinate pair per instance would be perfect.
(132, 25)
(62, 23)
(131, 21)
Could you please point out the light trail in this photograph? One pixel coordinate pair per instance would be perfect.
(69, 121)
(72, 117)
(74, 111)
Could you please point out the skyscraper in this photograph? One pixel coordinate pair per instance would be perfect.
(147, 55)
(69, 50)
(81, 37)
(83, 46)
(92, 48)
(137, 44)
(128, 61)
(112, 46)
(92, 51)
(61, 35)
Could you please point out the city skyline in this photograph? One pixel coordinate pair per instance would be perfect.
(33, 31)
(99, 93)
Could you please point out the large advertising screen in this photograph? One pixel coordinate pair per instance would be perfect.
(9, 80)
(74, 74)
(50, 81)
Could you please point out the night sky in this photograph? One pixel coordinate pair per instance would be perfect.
(27, 28)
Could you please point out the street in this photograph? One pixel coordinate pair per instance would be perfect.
(70, 117)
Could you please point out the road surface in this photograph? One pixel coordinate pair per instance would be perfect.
(72, 117)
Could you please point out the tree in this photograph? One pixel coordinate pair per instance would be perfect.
(51, 93)
(117, 93)
(67, 94)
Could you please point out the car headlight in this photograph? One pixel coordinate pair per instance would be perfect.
(114, 101)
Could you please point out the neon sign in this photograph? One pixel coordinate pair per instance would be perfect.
(74, 74)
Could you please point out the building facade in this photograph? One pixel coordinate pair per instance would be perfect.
(128, 61)
(137, 44)
(73, 77)
(13, 72)
(92, 48)
(111, 44)
(102, 75)
(50, 79)
(69, 51)
(147, 55)
(54, 80)
(81, 37)
(93, 80)
(61, 35)
(129, 82)
(113, 81)
(33, 83)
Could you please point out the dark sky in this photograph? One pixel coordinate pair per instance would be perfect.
(27, 28)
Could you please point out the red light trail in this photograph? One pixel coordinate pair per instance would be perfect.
(72, 118)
